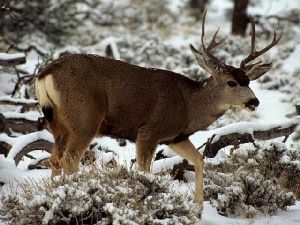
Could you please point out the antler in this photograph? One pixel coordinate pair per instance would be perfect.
(254, 54)
(213, 43)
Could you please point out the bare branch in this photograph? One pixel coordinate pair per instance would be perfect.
(212, 147)
(20, 125)
(7, 100)
(36, 145)
(12, 59)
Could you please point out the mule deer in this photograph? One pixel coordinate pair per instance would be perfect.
(83, 96)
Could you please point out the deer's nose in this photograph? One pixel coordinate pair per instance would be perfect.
(253, 102)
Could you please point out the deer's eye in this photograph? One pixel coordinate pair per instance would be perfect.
(231, 83)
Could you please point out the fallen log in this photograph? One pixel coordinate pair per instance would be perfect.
(20, 124)
(36, 145)
(28, 103)
(241, 133)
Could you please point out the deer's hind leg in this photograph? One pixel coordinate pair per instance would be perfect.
(57, 153)
(60, 134)
(83, 123)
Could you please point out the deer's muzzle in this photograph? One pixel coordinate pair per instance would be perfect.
(252, 104)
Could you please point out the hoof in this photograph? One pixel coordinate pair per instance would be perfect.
(199, 212)
(55, 168)
(199, 215)
(55, 172)
(199, 209)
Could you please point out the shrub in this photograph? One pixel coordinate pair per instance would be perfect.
(53, 18)
(275, 162)
(251, 192)
(99, 196)
(252, 180)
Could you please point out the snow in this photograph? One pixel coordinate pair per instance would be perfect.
(110, 41)
(9, 56)
(293, 63)
(20, 142)
(48, 216)
(273, 7)
(289, 217)
(32, 59)
(31, 115)
(269, 104)
(176, 5)
(18, 100)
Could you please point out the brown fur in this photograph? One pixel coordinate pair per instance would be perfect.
(100, 96)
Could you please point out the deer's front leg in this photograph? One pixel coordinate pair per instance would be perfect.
(188, 151)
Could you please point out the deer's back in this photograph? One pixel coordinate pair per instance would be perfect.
(130, 96)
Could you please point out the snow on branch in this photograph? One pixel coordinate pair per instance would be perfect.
(35, 145)
(21, 122)
(7, 59)
(240, 133)
(7, 100)
(20, 146)
(26, 104)
(111, 48)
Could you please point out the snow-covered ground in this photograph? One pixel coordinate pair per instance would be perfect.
(274, 108)
(289, 217)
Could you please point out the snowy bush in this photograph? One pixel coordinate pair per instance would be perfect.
(250, 192)
(230, 202)
(254, 180)
(132, 13)
(99, 196)
(275, 162)
(149, 51)
(53, 18)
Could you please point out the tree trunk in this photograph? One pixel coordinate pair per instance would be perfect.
(198, 7)
(240, 17)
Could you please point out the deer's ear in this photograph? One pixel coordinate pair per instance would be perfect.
(202, 60)
(255, 71)
(199, 56)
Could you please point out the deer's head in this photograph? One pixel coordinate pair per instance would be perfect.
(232, 82)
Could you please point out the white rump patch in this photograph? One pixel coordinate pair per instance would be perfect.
(46, 92)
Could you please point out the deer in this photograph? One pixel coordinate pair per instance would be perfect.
(83, 96)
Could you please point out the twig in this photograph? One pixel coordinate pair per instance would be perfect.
(25, 49)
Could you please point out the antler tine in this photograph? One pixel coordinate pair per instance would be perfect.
(212, 44)
(254, 54)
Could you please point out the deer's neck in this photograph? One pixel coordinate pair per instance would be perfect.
(205, 106)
